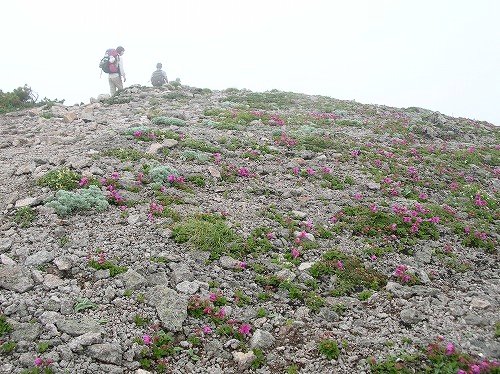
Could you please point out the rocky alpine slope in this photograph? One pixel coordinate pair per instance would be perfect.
(234, 231)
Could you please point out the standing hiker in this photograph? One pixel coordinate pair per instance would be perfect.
(115, 69)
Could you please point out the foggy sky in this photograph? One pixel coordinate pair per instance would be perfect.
(439, 55)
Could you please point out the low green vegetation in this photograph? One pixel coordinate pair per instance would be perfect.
(435, 358)
(351, 275)
(207, 232)
(103, 265)
(66, 202)
(168, 121)
(329, 348)
(24, 216)
(22, 98)
(127, 154)
(60, 179)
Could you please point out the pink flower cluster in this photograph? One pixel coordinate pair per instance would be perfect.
(414, 216)
(114, 195)
(479, 201)
(285, 140)
(400, 273)
(217, 157)
(83, 182)
(244, 172)
(276, 121)
(41, 363)
(174, 179)
(323, 115)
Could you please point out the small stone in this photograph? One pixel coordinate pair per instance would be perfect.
(373, 186)
(286, 275)
(477, 303)
(63, 263)
(305, 265)
(29, 201)
(110, 353)
(244, 360)
(214, 172)
(39, 258)
(411, 316)
(261, 339)
(187, 287)
(15, 278)
(298, 214)
(51, 281)
(227, 262)
(132, 279)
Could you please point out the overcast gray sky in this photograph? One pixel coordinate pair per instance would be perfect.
(441, 55)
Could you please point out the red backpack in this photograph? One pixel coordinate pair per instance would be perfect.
(106, 65)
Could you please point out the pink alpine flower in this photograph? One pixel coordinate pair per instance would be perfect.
(83, 182)
(434, 219)
(217, 157)
(243, 172)
(207, 330)
(340, 265)
(171, 178)
(140, 178)
(310, 171)
(479, 201)
(115, 175)
(270, 235)
(295, 253)
(38, 362)
(221, 313)
(245, 329)
(296, 170)
(147, 339)
(453, 186)
(450, 349)
(373, 208)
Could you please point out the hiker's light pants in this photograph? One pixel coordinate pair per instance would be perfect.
(115, 83)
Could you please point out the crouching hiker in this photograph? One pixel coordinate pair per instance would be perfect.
(159, 77)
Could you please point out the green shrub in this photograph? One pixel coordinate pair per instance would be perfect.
(113, 269)
(432, 359)
(60, 179)
(5, 328)
(190, 155)
(198, 180)
(199, 145)
(22, 98)
(168, 121)
(329, 348)
(207, 232)
(25, 216)
(66, 202)
(127, 154)
(351, 276)
(7, 347)
(160, 173)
